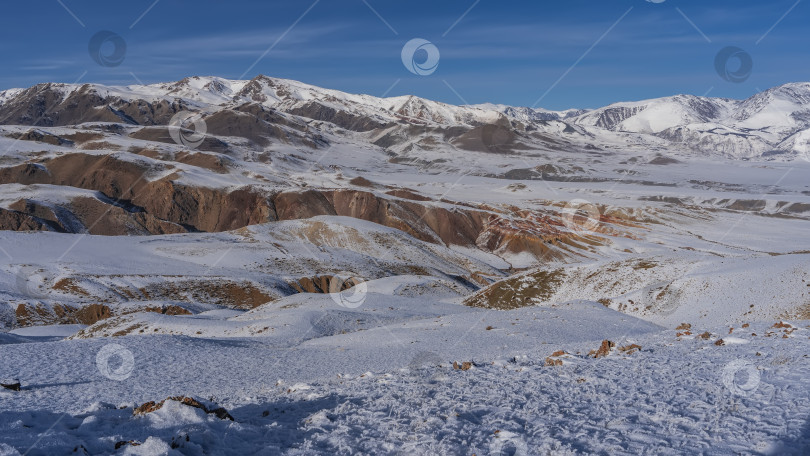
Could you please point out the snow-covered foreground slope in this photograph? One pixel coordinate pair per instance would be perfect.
(398, 393)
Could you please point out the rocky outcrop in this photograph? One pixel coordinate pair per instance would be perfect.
(299, 205)
(324, 284)
(62, 314)
(431, 223)
(11, 384)
(204, 209)
(128, 202)
(207, 407)
(115, 178)
(18, 221)
(43, 137)
(107, 219)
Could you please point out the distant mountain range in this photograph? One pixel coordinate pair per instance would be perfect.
(774, 124)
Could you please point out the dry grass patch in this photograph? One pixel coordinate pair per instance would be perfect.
(99, 145)
(69, 285)
(518, 292)
(630, 349)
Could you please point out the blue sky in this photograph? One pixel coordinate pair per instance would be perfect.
(510, 52)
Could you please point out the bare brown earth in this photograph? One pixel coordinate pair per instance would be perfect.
(130, 203)
(41, 136)
(235, 295)
(43, 105)
(213, 162)
(91, 299)
(323, 284)
(109, 220)
(518, 291)
(40, 314)
(161, 134)
(156, 207)
(86, 314)
(18, 221)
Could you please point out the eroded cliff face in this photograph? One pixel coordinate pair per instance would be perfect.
(19, 221)
(132, 198)
(127, 201)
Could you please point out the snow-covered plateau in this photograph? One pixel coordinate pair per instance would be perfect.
(212, 266)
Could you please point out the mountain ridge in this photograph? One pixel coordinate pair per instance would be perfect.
(766, 124)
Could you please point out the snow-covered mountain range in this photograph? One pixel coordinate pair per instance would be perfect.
(772, 124)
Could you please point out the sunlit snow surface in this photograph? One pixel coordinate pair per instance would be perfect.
(350, 394)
